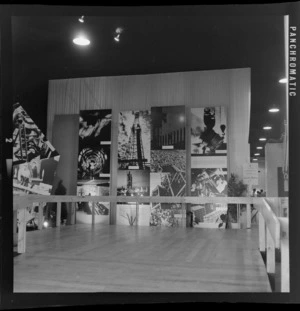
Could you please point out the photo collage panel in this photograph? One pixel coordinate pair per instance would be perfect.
(94, 152)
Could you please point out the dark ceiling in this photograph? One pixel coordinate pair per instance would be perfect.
(43, 50)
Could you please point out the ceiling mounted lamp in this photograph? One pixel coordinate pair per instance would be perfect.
(81, 19)
(118, 32)
(262, 139)
(267, 127)
(257, 154)
(274, 109)
(283, 80)
(255, 159)
(259, 147)
(81, 40)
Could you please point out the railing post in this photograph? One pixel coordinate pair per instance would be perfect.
(58, 214)
(93, 213)
(137, 213)
(15, 226)
(285, 267)
(22, 230)
(270, 253)
(72, 213)
(262, 233)
(40, 224)
(248, 216)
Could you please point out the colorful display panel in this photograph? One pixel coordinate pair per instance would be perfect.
(93, 175)
(134, 140)
(167, 215)
(208, 131)
(168, 128)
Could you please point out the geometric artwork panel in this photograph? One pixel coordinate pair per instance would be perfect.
(28, 140)
(35, 160)
(208, 182)
(168, 176)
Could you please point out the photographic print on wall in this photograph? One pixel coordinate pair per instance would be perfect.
(28, 140)
(134, 140)
(168, 173)
(34, 158)
(127, 214)
(94, 151)
(209, 215)
(208, 131)
(209, 182)
(84, 212)
(167, 215)
(168, 128)
(133, 183)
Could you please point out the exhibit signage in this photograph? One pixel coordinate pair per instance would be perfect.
(250, 173)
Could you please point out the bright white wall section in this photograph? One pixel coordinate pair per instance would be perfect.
(274, 158)
(230, 88)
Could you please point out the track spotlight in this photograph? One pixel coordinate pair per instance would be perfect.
(81, 19)
(118, 34)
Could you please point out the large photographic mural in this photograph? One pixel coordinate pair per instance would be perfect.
(34, 158)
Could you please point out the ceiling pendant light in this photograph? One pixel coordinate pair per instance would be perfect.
(273, 109)
(283, 80)
(81, 40)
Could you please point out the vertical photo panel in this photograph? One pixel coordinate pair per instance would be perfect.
(134, 140)
(94, 151)
(168, 128)
(208, 131)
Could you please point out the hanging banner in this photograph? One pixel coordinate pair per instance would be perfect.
(250, 173)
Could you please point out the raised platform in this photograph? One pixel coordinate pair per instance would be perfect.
(104, 258)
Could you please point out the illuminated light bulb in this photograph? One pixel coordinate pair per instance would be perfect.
(267, 127)
(259, 147)
(254, 159)
(81, 41)
(284, 80)
(262, 139)
(256, 154)
(46, 224)
(273, 110)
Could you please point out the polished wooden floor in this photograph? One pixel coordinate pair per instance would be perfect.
(140, 259)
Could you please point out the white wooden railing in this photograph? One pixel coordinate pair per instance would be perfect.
(273, 231)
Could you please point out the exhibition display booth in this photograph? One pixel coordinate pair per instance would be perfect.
(159, 150)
